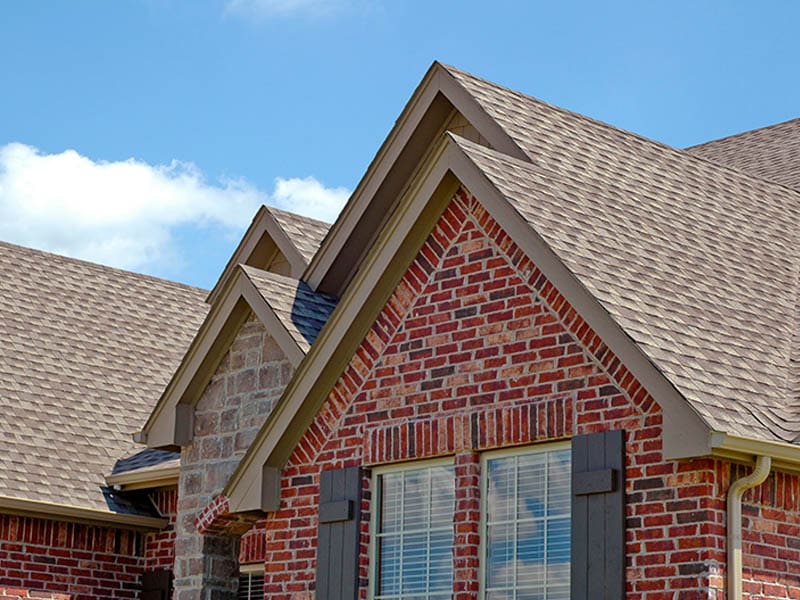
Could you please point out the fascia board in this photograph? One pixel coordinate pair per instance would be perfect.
(785, 456)
(47, 510)
(146, 478)
(685, 433)
(262, 223)
(437, 80)
(209, 346)
(244, 486)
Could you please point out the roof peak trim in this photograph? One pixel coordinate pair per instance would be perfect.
(397, 245)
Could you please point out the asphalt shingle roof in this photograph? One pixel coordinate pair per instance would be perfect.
(305, 233)
(696, 262)
(771, 153)
(302, 311)
(85, 352)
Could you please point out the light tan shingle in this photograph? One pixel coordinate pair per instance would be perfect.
(85, 352)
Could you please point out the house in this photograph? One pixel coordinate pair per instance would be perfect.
(535, 357)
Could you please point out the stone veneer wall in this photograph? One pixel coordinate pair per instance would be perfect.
(236, 402)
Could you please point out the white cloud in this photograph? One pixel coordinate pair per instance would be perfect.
(266, 9)
(309, 197)
(126, 213)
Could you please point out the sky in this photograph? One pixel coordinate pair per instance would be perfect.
(145, 134)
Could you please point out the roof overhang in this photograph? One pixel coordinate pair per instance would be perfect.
(262, 241)
(785, 456)
(63, 512)
(447, 167)
(156, 476)
(170, 424)
(412, 138)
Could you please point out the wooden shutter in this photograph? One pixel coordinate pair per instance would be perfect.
(338, 539)
(598, 516)
(157, 585)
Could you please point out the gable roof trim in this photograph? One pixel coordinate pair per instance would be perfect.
(685, 432)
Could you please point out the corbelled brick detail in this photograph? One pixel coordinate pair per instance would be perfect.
(474, 332)
(58, 560)
(217, 519)
(231, 410)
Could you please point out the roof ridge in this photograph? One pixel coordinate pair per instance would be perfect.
(294, 214)
(742, 133)
(677, 151)
(97, 266)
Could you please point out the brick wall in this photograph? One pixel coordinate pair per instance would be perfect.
(477, 350)
(159, 546)
(58, 560)
(231, 410)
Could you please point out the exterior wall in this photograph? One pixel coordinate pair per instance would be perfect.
(58, 560)
(240, 395)
(771, 534)
(477, 350)
(159, 546)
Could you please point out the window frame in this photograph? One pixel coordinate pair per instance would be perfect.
(375, 501)
(484, 489)
(249, 570)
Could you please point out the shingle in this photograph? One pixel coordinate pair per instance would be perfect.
(305, 233)
(771, 153)
(697, 263)
(85, 352)
(301, 310)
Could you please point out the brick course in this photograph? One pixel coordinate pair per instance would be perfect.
(41, 558)
(475, 350)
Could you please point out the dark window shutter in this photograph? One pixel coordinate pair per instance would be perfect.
(598, 516)
(157, 585)
(338, 540)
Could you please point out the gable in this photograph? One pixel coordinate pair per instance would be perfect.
(473, 339)
(438, 104)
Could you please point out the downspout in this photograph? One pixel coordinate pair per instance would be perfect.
(735, 493)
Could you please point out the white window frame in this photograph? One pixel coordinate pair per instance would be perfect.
(375, 500)
(484, 487)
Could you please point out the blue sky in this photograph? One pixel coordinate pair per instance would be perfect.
(144, 133)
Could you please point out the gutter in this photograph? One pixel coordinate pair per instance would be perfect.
(734, 541)
(785, 456)
(146, 478)
(92, 516)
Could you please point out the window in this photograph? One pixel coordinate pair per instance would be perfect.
(413, 532)
(251, 581)
(526, 524)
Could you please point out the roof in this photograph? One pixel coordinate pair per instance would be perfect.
(86, 351)
(693, 263)
(697, 262)
(304, 232)
(301, 310)
(770, 152)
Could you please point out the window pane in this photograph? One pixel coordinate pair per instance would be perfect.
(415, 534)
(527, 526)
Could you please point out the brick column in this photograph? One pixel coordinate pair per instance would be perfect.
(466, 551)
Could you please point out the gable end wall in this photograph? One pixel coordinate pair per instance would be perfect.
(477, 350)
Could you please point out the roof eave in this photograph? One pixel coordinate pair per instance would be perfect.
(785, 456)
(52, 511)
(146, 478)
